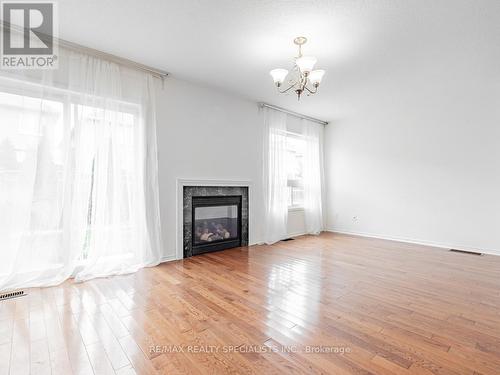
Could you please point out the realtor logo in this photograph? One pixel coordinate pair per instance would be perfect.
(29, 35)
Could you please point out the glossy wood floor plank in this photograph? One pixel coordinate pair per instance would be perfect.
(329, 304)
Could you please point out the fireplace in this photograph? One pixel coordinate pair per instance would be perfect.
(216, 223)
(214, 218)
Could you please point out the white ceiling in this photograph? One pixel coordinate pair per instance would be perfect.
(232, 44)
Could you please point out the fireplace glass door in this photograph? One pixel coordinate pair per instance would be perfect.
(216, 223)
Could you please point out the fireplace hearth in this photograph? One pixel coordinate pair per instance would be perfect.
(215, 218)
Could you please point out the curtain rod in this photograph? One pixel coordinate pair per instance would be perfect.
(91, 51)
(110, 57)
(293, 113)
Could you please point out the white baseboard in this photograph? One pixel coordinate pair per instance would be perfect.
(289, 235)
(414, 241)
(168, 258)
(254, 243)
(296, 234)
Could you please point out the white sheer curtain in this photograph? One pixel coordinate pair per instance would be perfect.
(313, 176)
(275, 176)
(78, 172)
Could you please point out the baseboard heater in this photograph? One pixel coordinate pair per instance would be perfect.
(10, 295)
(466, 252)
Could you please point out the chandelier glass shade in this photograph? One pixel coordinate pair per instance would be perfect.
(306, 63)
(316, 76)
(302, 78)
(279, 75)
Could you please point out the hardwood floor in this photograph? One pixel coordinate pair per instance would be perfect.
(332, 304)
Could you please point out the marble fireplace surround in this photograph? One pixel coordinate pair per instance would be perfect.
(205, 183)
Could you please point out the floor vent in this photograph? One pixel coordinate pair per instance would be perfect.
(288, 239)
(10, 295)
(466, 252)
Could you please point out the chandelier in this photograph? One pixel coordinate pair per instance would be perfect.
(302, 78)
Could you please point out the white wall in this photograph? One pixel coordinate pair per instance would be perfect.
(415, 151)
(413, 156)
(204, 133)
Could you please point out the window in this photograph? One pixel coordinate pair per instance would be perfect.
(30, 127)
(295, 163)
(36, 137)
(97, 128)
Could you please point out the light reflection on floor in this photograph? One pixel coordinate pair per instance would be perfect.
(291, 290)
